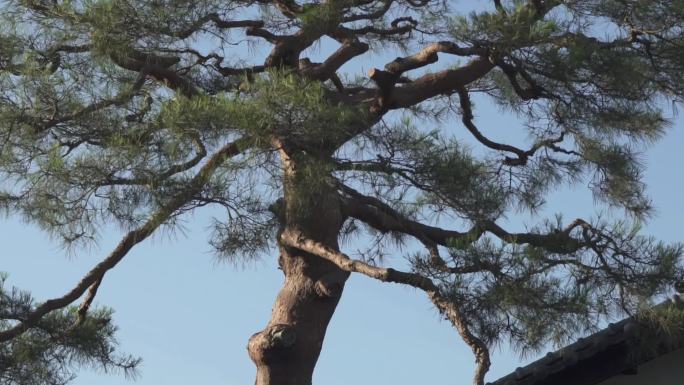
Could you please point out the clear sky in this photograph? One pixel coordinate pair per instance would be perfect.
(190, 317)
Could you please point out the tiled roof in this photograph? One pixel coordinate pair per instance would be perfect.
(605, 344)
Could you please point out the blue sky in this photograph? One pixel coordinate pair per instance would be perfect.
(190, 317)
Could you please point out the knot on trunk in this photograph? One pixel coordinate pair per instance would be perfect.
(271, 342)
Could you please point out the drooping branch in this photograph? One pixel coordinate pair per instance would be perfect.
(162, 174)
(126, 95)
(131, 239)
(521, 156)
(447, 308)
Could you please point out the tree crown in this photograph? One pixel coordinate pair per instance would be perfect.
(137, 112)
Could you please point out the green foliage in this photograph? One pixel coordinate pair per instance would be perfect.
(109, 108)
(528, 295)
(661, 329)
(53, 351)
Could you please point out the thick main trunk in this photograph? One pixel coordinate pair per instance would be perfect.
(286, 351)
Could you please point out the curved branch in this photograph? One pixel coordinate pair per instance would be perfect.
(446, 307)
(131, 239)
(467, 119)
(522, 156)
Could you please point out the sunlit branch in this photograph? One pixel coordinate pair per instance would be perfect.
(430, 85)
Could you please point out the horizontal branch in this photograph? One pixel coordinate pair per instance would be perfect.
(383, 217)
(395, 29)
(378, 13)
(428, 55)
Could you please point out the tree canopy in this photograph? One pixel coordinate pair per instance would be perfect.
(137, 113)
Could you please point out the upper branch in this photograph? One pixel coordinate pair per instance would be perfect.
(429, 85)
(372, 15)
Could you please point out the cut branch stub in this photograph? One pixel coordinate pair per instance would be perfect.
(385, 82)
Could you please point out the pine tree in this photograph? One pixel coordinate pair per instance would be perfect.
(139, 112)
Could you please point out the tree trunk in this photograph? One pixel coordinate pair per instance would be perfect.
(286, 351)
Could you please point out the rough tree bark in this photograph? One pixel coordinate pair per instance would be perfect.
(286, 350)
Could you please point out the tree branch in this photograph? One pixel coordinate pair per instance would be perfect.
(131, 239)
(337, 59)
(383, 217)
(446, 307)
(380, 12)
(522, 156)
(218, 22)
(430, 85)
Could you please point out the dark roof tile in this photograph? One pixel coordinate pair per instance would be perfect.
(583, 349)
